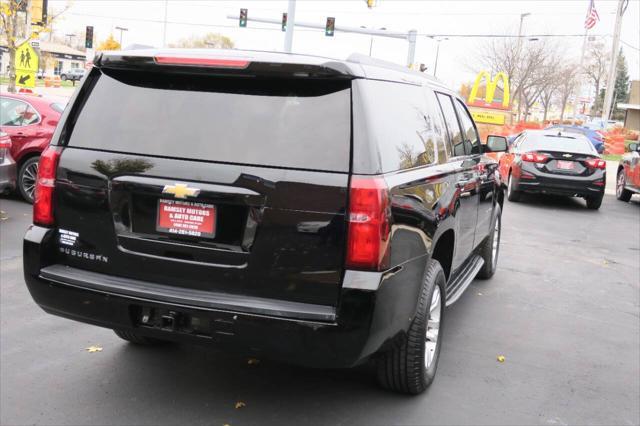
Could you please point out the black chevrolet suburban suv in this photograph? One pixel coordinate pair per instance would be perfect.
(298, 208)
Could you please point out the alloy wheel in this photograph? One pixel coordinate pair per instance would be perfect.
(433, 327)
(495, 245)
(620, 184)
(29, 178)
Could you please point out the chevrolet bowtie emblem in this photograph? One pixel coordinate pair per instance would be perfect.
(180, 190)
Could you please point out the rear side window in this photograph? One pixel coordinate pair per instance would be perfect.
(470, 135)
(455, 133)
(16, 113)
(403, 124)
(273, 122)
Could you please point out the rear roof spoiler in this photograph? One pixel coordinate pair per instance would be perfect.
(230, 62)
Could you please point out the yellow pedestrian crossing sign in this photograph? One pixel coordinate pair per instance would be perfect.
(26, 65)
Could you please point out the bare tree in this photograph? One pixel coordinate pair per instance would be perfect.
(595, 68)
(210, 40)
(529, 66)
(567, 85)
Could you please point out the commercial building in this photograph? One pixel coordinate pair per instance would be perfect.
(632, 109)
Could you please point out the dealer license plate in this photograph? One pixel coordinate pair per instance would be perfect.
(186, 218)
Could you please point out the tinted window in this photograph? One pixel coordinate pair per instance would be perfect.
(471, 139)
(16, 113)
(288, 123)
(450, 118)
(406, 129)
(440, 131)
(539, 142)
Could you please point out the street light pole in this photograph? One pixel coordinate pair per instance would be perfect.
(518, 52)
(121, 30)
(435, 67)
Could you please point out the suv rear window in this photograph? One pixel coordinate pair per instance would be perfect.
(296, 123)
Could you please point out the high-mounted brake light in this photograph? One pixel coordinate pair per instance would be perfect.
(207, 62)
(45, 184)
(534, 157)
(369, 227)
(596, 163)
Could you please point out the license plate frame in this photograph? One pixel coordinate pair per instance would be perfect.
(186, 218)
(565, 165)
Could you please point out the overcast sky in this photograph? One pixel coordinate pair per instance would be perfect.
(446, 18)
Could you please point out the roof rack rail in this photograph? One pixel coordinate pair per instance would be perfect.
(359, 58)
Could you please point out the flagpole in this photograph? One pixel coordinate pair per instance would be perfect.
(580, 71)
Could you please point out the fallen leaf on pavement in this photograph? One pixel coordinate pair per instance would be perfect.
(240, 404)
(501, 358)
(93, 349)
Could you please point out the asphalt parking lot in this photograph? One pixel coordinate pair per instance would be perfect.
(563, 308)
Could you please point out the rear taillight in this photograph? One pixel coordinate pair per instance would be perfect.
(45, 184)
(5, 146)
(596, 163)
(5, 143)
(369, 227)
(534, 157)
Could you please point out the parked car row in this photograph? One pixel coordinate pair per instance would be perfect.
(30, 121)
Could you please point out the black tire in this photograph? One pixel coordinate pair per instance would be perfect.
(402, 368)
(512, 194)
(486, 249)
(133, 337)
(63, 77)
(622, 194)
(27, 176)
(594, 203)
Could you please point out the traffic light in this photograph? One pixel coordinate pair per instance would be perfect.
(330, 28)
(88, 39)
(243, 18)
(284, 22)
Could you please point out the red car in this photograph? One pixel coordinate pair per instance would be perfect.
(628, 178)
(30, 121)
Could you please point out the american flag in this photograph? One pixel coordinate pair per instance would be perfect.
(592, 16)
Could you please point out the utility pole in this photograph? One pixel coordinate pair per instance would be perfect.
(164, 25)
(291, 22)
(611, 80)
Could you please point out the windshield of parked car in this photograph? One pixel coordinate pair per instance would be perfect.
(575, 143)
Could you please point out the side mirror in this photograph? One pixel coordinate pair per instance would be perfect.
(634, 147)
(496, 144)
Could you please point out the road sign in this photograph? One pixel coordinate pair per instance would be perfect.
(25, 78)
(26, 58)
(26, 65)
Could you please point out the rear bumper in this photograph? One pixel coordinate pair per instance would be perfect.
(7, 174)
(546, 183)
(375, 309)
